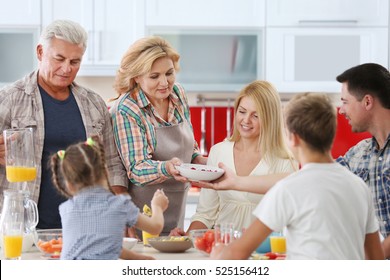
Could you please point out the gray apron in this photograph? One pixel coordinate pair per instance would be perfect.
(172, 141)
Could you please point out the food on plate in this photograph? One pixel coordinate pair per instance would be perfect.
(257, 256)
(199, 172)
(175, 238)
(171, 244)
(268, 256)
(204, 169)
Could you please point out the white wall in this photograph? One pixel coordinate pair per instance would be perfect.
(101, 85)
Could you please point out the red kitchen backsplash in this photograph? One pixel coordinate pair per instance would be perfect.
(345, 138)
(215, 131)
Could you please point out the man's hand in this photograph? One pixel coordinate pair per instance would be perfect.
(177, 232)
(228, 181)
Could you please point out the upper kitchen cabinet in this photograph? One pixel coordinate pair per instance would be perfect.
(309, 59)
(327, 13)
(205, 13)
(20, 22)
(310, 42)
(216, 60)
(20, 12)
(112, 27)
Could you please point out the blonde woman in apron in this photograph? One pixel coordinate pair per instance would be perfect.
(152, 126)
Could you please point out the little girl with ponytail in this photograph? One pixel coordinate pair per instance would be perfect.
(93, 218)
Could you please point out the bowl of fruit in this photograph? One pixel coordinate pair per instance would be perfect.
(49, 242)
(199, 172)
(203, 240)
(171, 244)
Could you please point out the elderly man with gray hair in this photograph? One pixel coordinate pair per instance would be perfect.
(61, 113)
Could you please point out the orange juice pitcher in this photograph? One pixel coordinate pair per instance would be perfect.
(20, 156)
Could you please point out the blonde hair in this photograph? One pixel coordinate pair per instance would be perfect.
(272, 142)
(138, 60)
(82, 165)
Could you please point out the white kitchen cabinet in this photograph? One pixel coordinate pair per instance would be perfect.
(20, 12)
(309, 59)
(205, 13)
(112, 27)
(327, 13)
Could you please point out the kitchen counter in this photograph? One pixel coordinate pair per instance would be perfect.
(190, 254)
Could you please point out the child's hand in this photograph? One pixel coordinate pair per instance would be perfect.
(177, 232)
(160, 200)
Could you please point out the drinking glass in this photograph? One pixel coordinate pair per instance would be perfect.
(278, 243)
(19, 156)
(224, 233)
(146, 236)
(12, 235)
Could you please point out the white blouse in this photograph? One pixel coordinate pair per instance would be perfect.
(215, 207)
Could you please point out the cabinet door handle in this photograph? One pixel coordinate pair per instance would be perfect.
(335, 21)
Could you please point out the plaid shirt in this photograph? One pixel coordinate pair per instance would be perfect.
(21, 106)
(134, 131)
(373, 166)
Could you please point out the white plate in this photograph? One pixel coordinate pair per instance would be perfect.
(199, 172)
(129, 242)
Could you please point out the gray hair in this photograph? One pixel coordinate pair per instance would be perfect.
(66, 30)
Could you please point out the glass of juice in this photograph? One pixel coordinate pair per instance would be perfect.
(278, 243)
(12, 235)
(146, 236)
(19, 156)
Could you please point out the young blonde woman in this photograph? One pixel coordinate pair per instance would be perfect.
(257, 147)
(152, 126)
